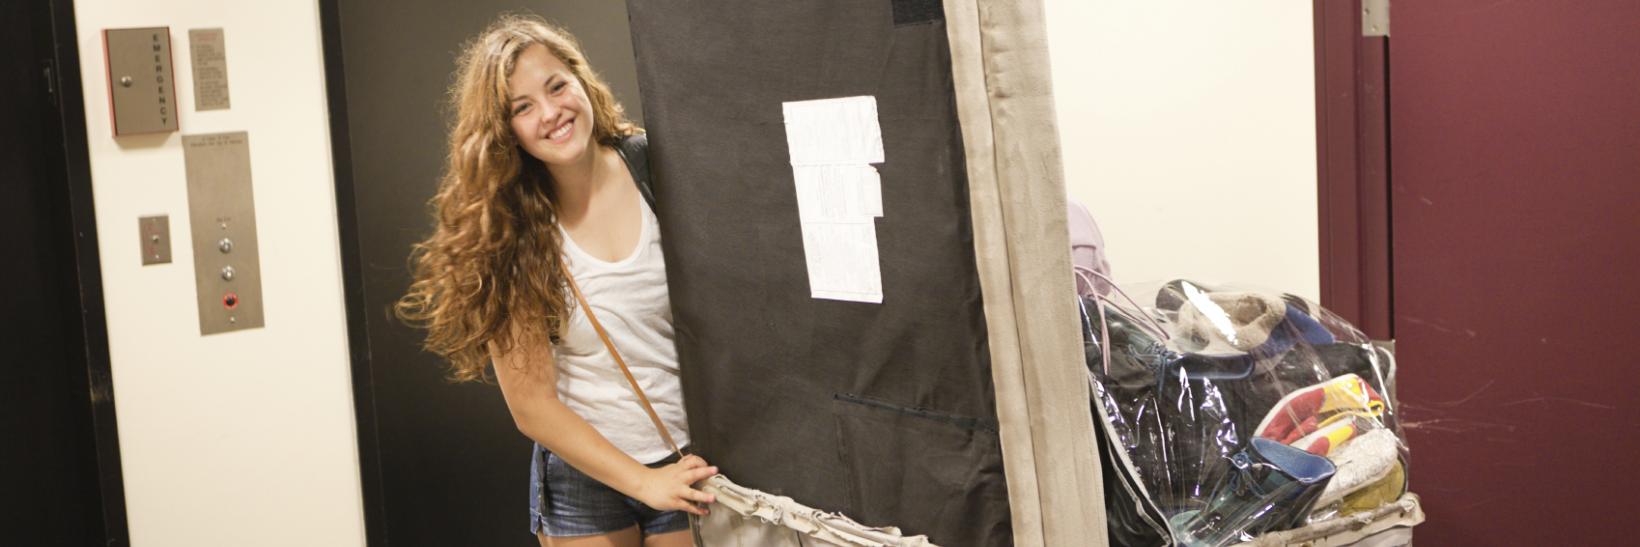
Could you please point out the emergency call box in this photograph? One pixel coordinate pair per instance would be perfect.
(141, 86)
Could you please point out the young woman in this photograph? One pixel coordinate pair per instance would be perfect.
(537, 191)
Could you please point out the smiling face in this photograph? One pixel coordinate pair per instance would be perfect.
(548, 108)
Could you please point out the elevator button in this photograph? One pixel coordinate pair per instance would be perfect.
(226, 245)
(230, 301)
(227, 273)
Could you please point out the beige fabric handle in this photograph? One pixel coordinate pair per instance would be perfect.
(604, 335)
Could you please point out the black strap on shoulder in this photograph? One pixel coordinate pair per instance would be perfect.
(634, 149)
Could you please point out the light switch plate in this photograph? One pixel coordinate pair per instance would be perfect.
(141, 85)
(156, 239)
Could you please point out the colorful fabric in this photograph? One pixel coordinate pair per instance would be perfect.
(1305, 411)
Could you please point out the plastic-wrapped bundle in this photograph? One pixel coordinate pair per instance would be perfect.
(1228, 414)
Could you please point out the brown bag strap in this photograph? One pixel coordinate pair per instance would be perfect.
(642, 399)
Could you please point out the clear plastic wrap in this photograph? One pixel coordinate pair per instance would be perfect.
(1227, 413)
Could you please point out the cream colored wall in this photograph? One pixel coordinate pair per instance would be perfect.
(1188, 129)
(243, 438)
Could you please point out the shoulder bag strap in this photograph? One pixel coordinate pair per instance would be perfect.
(694, 521)
(604, 335)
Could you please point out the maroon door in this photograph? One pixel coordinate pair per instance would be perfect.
(1515, 210)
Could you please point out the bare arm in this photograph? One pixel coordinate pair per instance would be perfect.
(529, 383)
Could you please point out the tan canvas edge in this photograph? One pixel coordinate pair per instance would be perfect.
(1031, 176)
(1405, 512)
(1017, 195)
(967, 68)
(991, 257)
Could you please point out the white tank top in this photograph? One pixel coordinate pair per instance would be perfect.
(631, 301)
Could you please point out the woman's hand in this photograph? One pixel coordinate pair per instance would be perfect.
(528, 379)
(670, 487)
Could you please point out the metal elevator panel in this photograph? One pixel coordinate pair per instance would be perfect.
(141, 86)
(222, 212)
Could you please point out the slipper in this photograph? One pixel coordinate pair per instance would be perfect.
(1361, 462)
(1382, 492)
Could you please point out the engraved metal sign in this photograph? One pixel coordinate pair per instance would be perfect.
(210, 64)
(141, 87)
(227, 270)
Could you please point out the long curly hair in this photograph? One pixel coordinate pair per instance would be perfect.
(490, 271)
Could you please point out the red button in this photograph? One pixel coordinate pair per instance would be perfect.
(230, 301)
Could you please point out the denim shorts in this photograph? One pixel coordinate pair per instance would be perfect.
(566, 502)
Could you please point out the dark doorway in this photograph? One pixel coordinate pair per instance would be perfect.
(442, 464)
(59, 458)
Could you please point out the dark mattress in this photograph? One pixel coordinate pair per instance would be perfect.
(883, 412)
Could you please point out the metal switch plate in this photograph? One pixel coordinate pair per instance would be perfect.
(156, 239)
(141, 86)
(228, 278)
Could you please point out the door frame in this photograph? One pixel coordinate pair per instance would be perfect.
(1352, 162)
(70, 150)
(353, 286)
